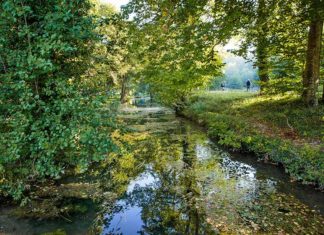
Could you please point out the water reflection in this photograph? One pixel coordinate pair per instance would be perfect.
(163, 200)
(176, 181)
(192, 187)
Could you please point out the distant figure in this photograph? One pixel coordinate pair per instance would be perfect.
(248, 85)
(223, 86)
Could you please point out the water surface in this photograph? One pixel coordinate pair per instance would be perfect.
(179, 182)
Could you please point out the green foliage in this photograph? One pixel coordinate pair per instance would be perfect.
(272, 35)
(282, 86)
(276, 128)
(49, 120)
(178, 54)
(57, 232)
(273, 32)
(114, 60)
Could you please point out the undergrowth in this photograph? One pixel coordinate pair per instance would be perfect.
(276, 128)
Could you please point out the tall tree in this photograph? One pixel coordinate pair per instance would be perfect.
(121, 49)
(262, 42)
(179, 53)
(313, 58)
(250, 20)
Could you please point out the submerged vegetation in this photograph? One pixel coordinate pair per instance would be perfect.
(70, 143)
(181, 183)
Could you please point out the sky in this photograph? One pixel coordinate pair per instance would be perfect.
(116, 3)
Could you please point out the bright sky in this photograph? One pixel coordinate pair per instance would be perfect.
(116, 3)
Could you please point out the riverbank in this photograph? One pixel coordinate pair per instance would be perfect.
(277, 129)
(170, 172)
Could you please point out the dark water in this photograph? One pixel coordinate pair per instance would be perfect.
(176, 181)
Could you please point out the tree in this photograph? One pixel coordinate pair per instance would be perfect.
(179, 53)
(287, 32)
(262, 42)
(312, 68)
(49, 121)
(245, 20)
(113, 56)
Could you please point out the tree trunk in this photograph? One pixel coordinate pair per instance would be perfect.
(124, 90)
(262, 64)
(262, 44)
(312, 68)
(322, 68)
(151, 98)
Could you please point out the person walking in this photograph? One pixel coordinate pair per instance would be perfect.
(223, 86)
(248, 85)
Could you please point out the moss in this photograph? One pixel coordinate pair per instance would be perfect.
(70, 190)
(53, 201)
(52, 208)
(57, 232)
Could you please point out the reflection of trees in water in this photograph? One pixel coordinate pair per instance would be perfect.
(192, 192)
(189, 190)
(169, 205)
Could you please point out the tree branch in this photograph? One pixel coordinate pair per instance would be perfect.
(3, 64)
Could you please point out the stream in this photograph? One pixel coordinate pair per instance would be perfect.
(180, 182)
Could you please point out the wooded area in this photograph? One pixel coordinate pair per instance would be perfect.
(66, 68)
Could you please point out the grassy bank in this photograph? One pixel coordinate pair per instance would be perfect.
(277, 129)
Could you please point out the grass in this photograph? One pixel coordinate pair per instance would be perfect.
(277, 128)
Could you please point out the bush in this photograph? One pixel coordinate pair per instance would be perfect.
(47, 123)
(228, 116)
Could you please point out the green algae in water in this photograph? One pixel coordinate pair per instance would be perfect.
(57, 232)
(176, 181)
